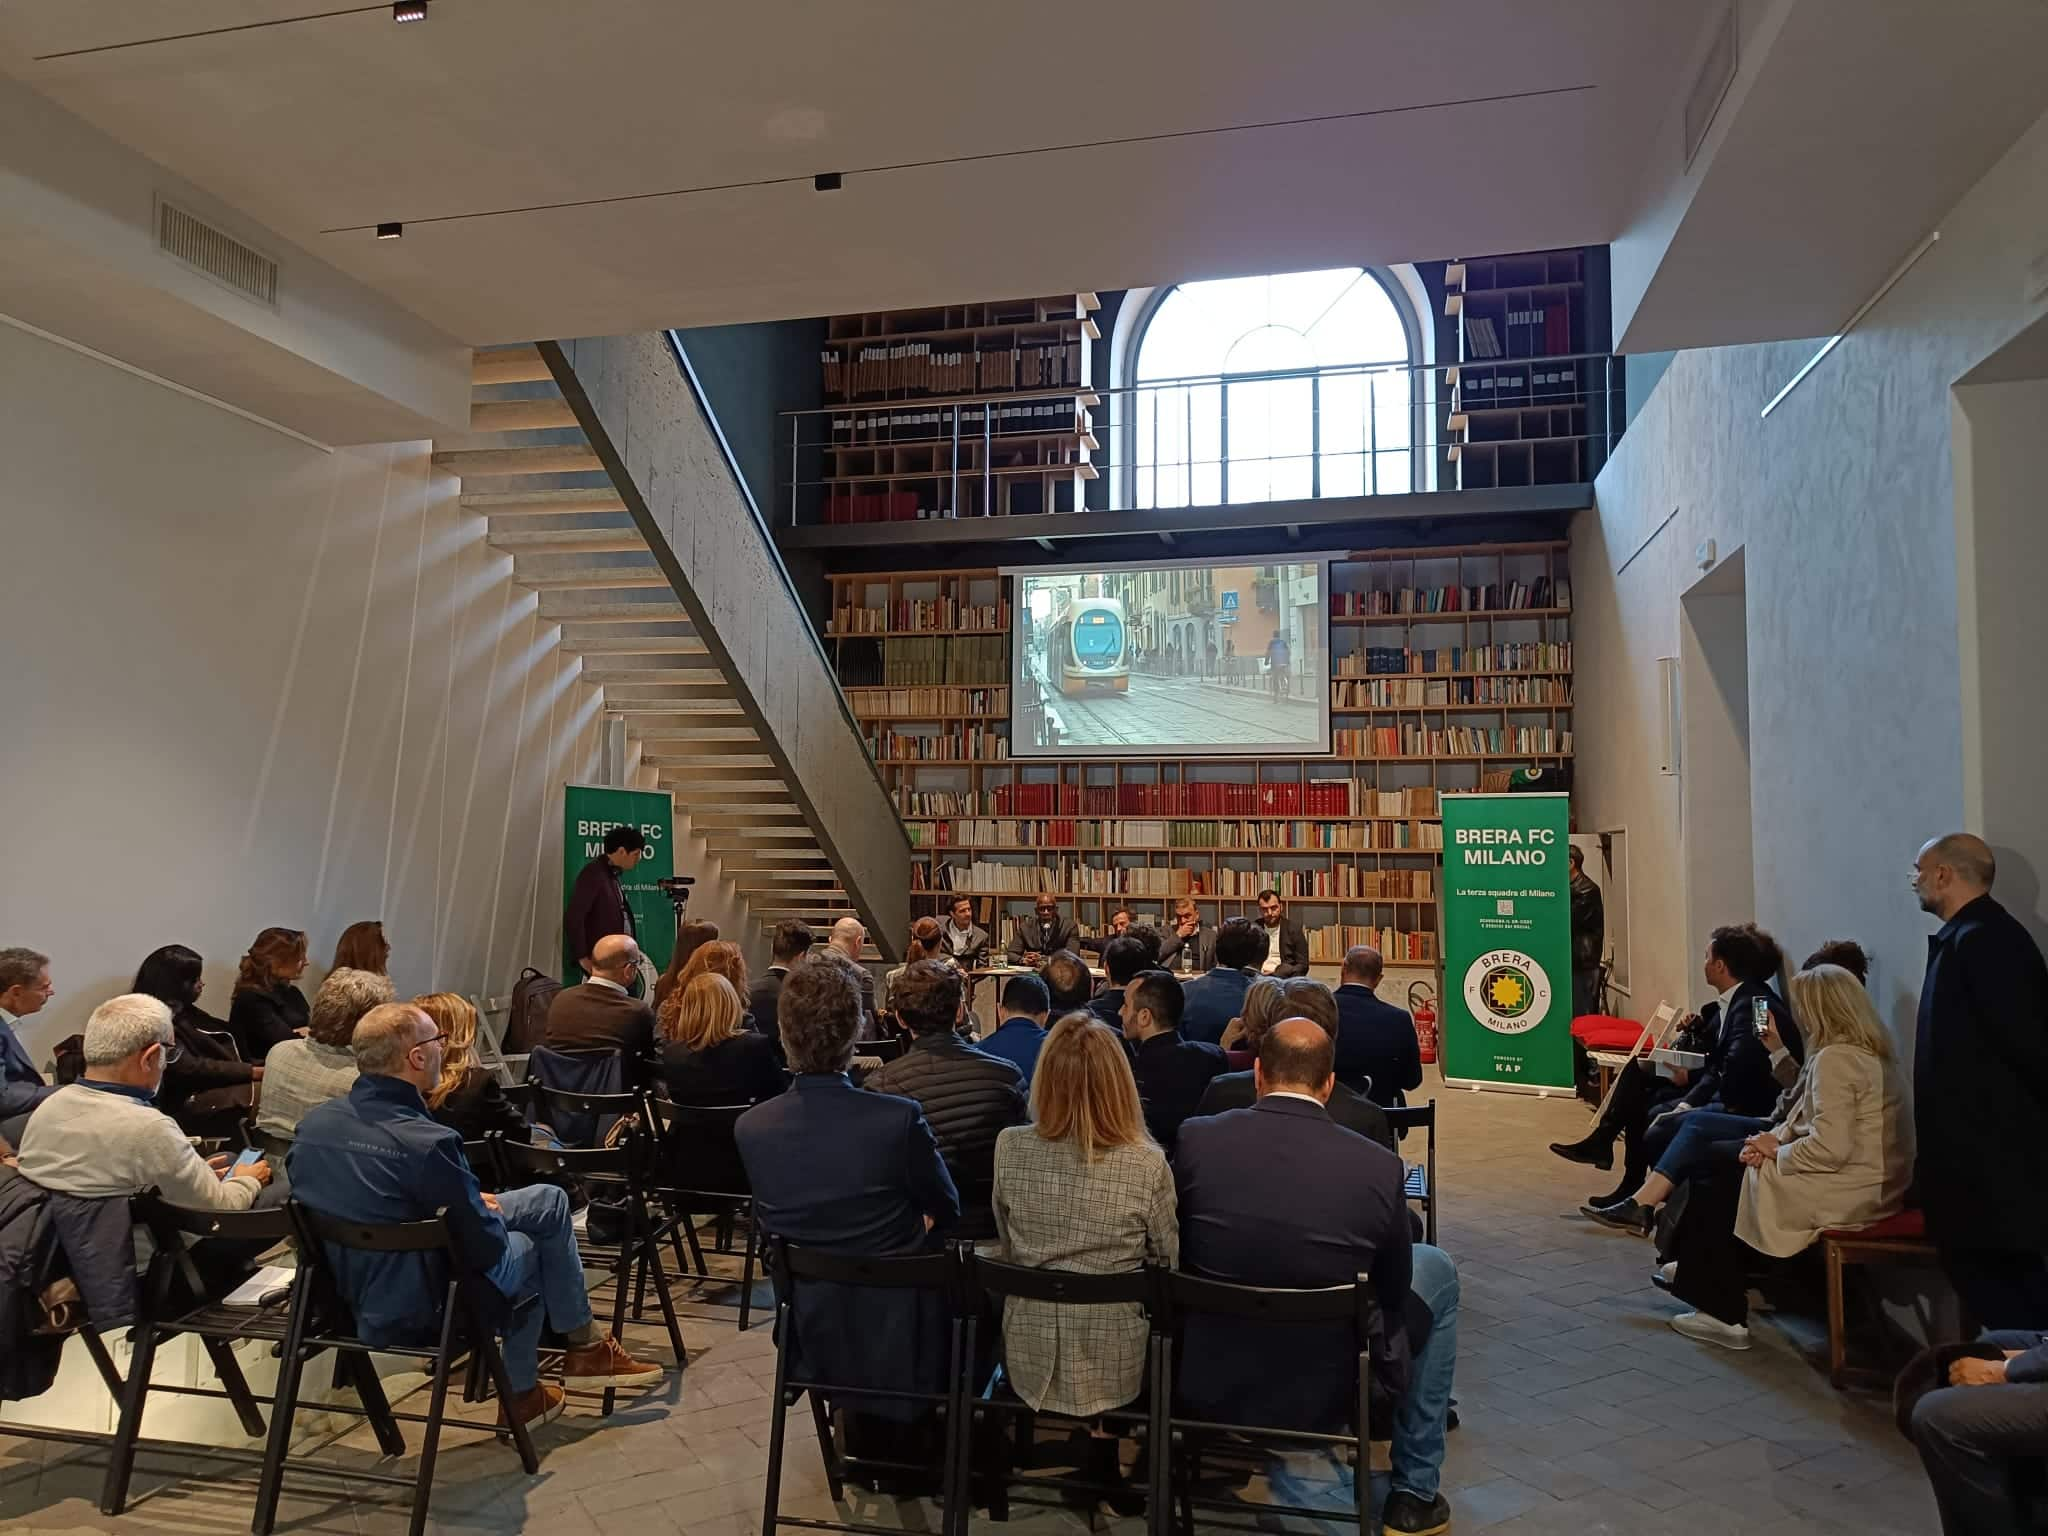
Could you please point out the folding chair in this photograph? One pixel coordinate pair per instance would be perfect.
(700, 1166)
(82, 1328)
(987, 1277)
(465, 1327)
(1187, 1296)
(272, 1146)
(796, 1270)
(586, 1120)
(1419, 1179)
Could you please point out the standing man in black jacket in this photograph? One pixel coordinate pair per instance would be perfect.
(1589, 934)
(597, 902)
(1980, 1089)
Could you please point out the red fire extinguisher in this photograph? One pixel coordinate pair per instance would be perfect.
(1422, 1005)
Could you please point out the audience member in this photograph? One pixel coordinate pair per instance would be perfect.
(363, 947)
(597, 907)
(1841, 1157)
(710, 1056)
(1846, 953)
(927, 942)
(1122, 958)
(1980, 1081)
(1589, 935)
(1217, 996)
(967, 1095)
(301, 1073)
(1982, 1449)
(1068, 982)
(1190, 943)
(850, 938)
(1082, 1188)
(1377, 1052)
(721, 957)
(1267, 1003)
(1172, 1073)
(1043, 934)
(466, 1096)
(102, 1136)
(376, 1155)
(1286, 946)
(1148, 939)
(691, 936)
(1024, 1005)
(24, 988)
(791, 945)
(208, 1078)
(267, 1006)
(966, 942)
(1280, 1195)
(601, 1014)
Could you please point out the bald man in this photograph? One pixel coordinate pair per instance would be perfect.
(850, 938)
(602, 1014)
(1980, 1089)
(1376, 1041)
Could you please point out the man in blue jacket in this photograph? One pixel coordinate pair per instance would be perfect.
(24, 988)
(378, 1156)
(1217, 997)
(1375, 1039)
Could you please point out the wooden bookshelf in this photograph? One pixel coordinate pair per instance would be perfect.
(896, 637)
(1521, 395)
(964, 411)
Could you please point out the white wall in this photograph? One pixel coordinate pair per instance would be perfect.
(248, 682)
(1842, 501)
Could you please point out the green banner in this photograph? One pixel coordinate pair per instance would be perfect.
(1507, 941)
(588, 812)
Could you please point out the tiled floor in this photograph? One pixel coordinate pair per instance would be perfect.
(1582, 1411)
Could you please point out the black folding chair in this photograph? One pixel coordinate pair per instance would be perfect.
(586, 1119)
(997, 1398)
(87, 1333)
(1420, 1177)
(316, 1308)
(626, 1171)
(796, 1269)
(1247, 1306)
(700, 1169)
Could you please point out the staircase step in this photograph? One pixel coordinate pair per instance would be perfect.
(508, 365)
(633, 605)
(704, 782)
(620, 637)
(583, 575)
(520, 415)
(542, 503)
(516, 540)
(794, 889)
(495, 463)
(712, 754)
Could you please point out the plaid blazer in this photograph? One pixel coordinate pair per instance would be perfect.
(1054, 1211)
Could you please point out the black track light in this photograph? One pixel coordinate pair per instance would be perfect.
(392, 231)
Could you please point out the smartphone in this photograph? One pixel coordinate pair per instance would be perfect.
(1760, 1014)
(249, 1155)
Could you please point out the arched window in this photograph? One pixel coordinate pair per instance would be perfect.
(1251, 389)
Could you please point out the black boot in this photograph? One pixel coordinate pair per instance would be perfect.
(1595, 1150)
(1106, 1472)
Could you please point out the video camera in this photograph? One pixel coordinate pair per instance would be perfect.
(677, 889)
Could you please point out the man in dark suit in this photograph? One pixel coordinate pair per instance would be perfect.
(792, 942)
(1286, 945)
(1374, 1039)
(1306, 999)
(1217, 997)
(1122, 958)
(1190, 943)
(1589, 934)
(965, 942)
(1250, 1214)
(1980, 1089)
(24, 988)
(1119, 925)
(1172, 1073)
(597, 901)
(1045, 933)
(602, 1014)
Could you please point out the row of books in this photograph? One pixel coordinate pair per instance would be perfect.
(1436, 693)
(1345, 882)
(967, 423)
(1449, 660)
(895, 703)
(934, 613)
(1486, 388)
(1060, 878)
(1522, 333)
(1492, 597)
(1318, 797)
(980, 743)
(919, 368)
(1326, 945)
(1454, 741)
(1165, 836)
(967, 661)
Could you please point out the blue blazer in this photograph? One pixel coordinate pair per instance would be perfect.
(1377, 1040)
(21, 1086)
(1213, 1000)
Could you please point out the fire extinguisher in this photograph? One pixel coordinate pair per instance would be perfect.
(1422, 1005)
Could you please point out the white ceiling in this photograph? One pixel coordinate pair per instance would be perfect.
(319, 127)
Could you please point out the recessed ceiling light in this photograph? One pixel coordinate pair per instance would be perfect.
(392, 231)
(829, 181)
(409, 10)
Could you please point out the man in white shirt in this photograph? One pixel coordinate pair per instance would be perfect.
(1286, 944)
(103, 1136)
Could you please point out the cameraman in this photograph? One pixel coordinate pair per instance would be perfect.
(597, 902)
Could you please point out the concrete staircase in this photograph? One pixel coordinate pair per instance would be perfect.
(586, 544)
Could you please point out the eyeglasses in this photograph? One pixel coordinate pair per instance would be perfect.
(436, 1035)
(172, 1053)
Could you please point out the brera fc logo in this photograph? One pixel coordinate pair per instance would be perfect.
(1507, 991)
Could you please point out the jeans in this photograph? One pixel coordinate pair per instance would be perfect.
(542, 1246)
(1981, 1447)
(1418, 1448)
(1691, 1152)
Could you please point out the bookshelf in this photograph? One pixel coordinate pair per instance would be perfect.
(1522, 398)
(965, 411)
(1453, 669)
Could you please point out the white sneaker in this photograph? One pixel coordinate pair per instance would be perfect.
(1711, 1330)
(1665, 1275)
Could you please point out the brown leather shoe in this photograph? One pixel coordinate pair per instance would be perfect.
(606, 1364)
(542, 1405)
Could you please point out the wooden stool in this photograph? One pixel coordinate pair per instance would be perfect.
(1896, 1238)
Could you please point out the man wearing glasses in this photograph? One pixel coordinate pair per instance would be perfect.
(602, 1014)
(24, 988)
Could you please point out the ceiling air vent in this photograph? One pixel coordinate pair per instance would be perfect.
(219, 255)
(1717, 73)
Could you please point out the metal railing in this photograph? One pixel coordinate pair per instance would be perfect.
(1207, 440)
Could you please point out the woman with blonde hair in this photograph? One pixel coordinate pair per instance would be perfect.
(467, 1099)
(710, 1056)
(1082, 1188)
(1840, 1155)
(717, 957)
